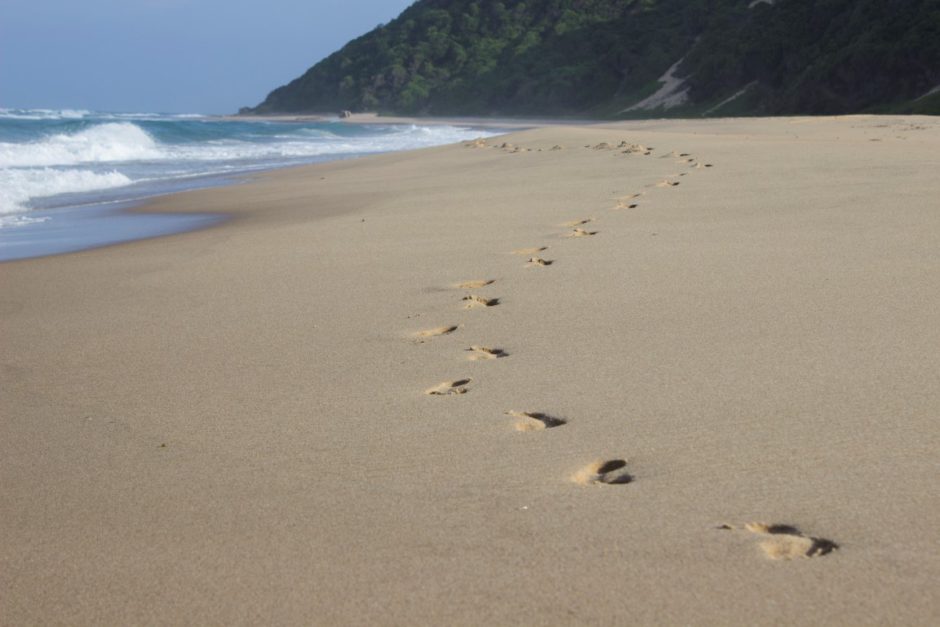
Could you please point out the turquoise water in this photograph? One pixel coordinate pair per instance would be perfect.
(64, 174)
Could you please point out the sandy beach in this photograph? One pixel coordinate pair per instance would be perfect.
(663, 372)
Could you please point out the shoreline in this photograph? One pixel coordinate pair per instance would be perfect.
(75, 226)
(375, 118)
(294, 416)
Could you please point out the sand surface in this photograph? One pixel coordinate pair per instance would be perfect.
(723, 402)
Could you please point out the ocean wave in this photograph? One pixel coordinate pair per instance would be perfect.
(81, 114)
(44, 114)
(115, 141)
(127, 142)
(18, 186)
(72, 151)
(13, 220)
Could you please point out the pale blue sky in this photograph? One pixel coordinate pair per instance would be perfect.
(200, 56)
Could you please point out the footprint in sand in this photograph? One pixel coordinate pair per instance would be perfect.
(627, 202)
(786, 542)
(576, 222)
(472, 300)
(534, 250)
(612, 472)
(475, 284)
(435, 332)
(536, 262)
(667, 183)
(478, 353)
(535, 420)
(630, 149)
(580, 233)
(448, 388)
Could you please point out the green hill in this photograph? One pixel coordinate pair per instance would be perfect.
(609, 58)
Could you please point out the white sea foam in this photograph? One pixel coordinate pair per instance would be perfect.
(79, 114)
(125, 141)
(104, 151)
(318, 143)
(17, 186)
(18, 219)
(43, 114)
(117, 141)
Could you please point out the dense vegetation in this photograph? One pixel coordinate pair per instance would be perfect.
(598, 57)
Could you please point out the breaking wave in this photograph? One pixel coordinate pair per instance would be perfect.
(45, 153)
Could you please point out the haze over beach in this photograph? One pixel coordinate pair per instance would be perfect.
(342, 359)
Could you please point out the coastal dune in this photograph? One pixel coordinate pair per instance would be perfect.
(676, 372)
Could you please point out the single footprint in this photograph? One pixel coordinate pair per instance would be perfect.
(623, 202)
(478, 353)
(535, 262)
(626, 205)
(577, 222)
(629, 149)
(580, 233)
(472, 300)
(448, 388)
(475, 284)
(529, 251)
(667, 183)
(611, 472)
(436, 332)
(786, 542)
(534, 420)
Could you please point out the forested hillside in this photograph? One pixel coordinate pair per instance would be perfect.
(606, 58)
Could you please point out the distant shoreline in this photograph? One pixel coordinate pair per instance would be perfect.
(375, 118)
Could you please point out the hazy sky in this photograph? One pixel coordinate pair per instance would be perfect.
(200, 56)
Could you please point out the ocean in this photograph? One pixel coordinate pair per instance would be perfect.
(66, 175)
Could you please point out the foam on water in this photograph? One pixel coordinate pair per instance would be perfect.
(18, 186)
(102, 143)
(45, 154)
(20, 220)
(43, 114)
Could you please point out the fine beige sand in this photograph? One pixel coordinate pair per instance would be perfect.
(695, 395)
